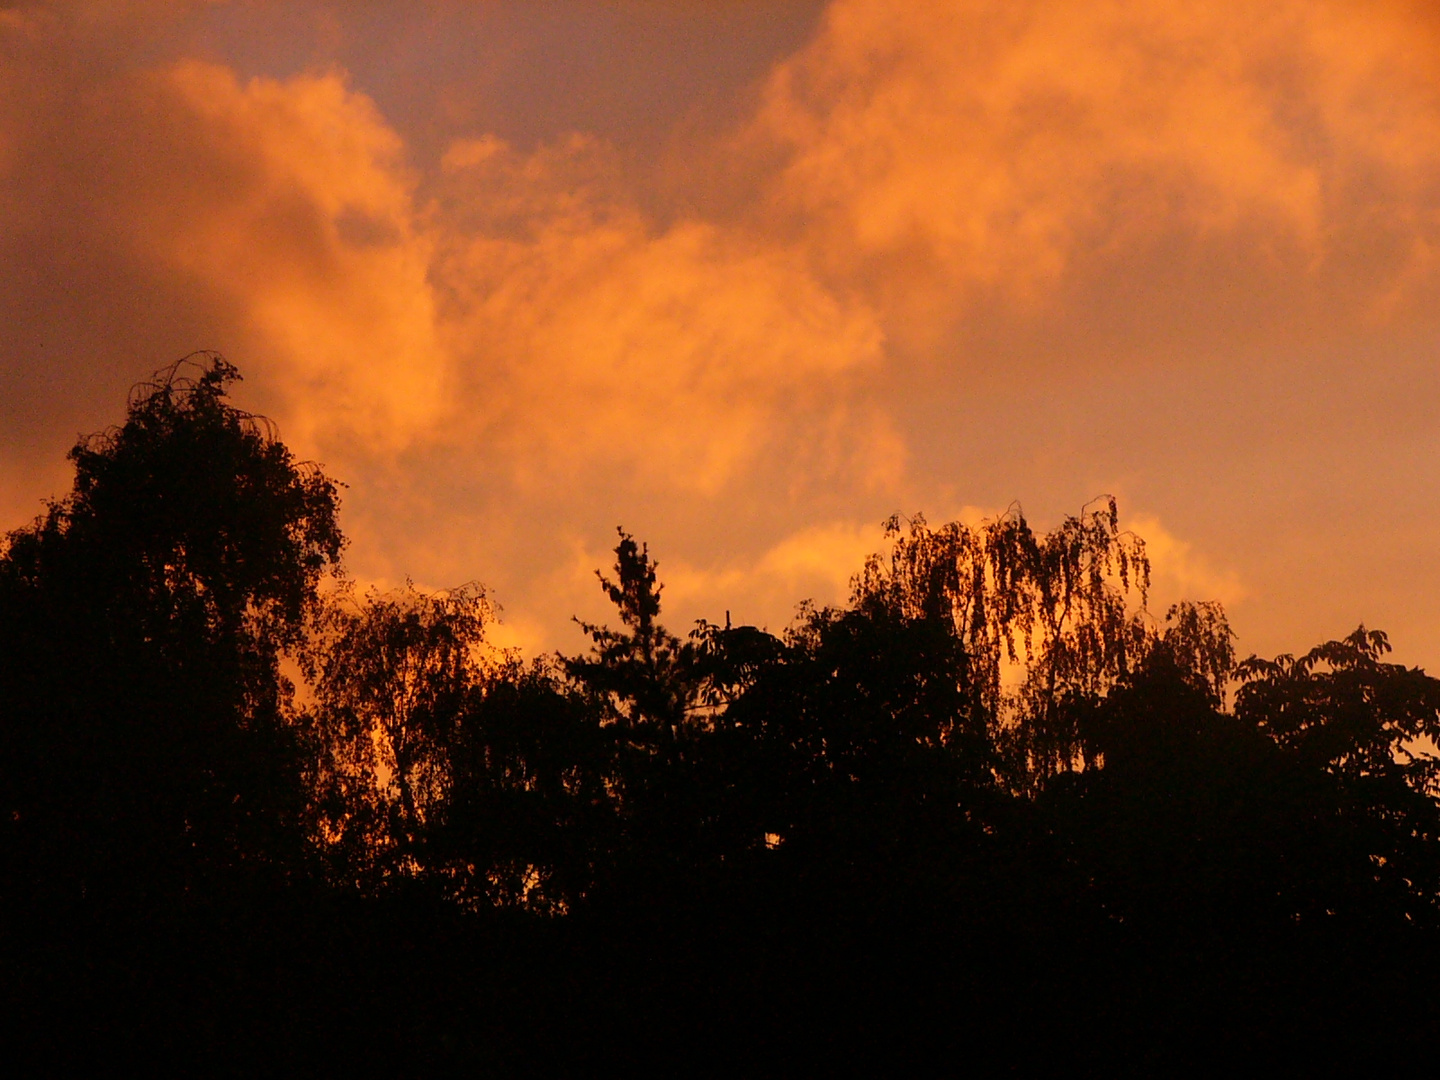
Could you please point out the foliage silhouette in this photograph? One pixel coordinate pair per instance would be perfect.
(391, 679)
(990, 808)
(148, 730)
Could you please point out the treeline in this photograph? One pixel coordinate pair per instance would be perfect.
(990, 811)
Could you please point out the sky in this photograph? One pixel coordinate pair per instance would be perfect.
(748, 277)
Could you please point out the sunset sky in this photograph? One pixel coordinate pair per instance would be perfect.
(748, 276)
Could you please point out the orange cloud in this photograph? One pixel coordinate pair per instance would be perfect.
(271, 219)
(815, 563)
(572, 334)
(993, 146)
(310, 228)
(1180, 572)
(528, 307)
(679, 354)
(955, 222)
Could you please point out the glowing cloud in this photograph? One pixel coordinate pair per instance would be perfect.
(309, 227)
(1180, 572)
(933, 238)
(990, 146)
(679, 355)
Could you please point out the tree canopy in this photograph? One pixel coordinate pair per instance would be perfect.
(148, 729)
(989, 806)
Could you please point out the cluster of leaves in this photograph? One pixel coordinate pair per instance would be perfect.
(1057, 609)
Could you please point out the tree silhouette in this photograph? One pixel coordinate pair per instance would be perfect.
(447, 760)
(393, 676)
(637, 675)
(989, 810)
(1369, 728)
(1053, 607)
(147, 724)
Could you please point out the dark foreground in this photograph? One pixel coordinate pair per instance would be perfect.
(848, 846)
(408, 986)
